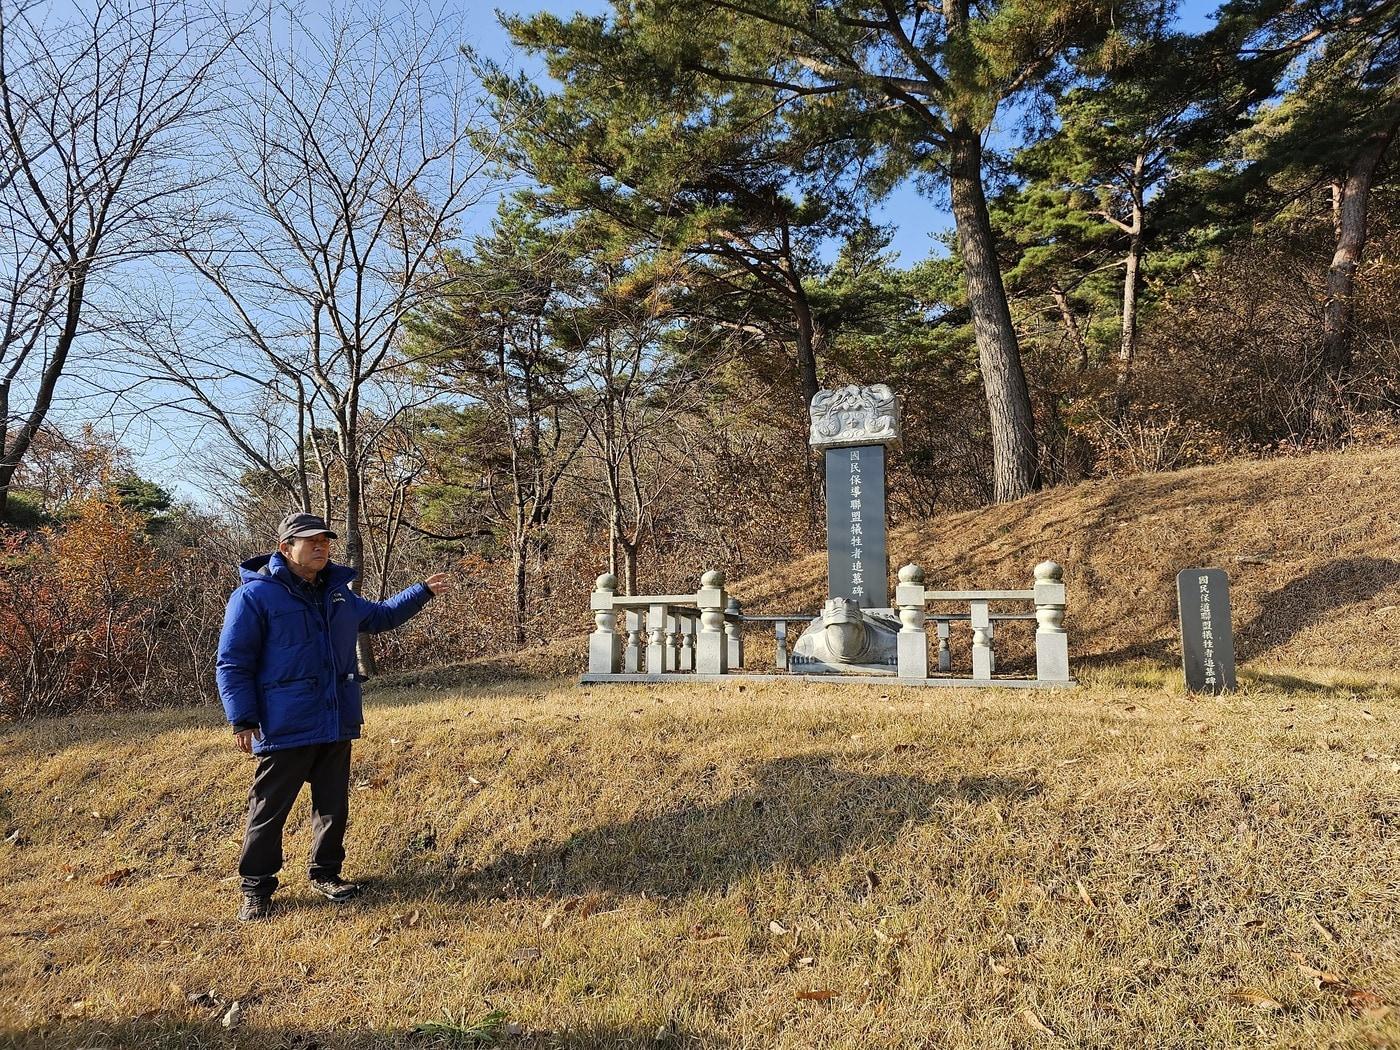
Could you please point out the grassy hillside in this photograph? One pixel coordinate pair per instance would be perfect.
(766, 866)
(1312, 547)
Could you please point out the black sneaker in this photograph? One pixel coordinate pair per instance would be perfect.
(334, 888)
(255, 906)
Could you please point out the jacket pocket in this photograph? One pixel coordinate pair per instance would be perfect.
(293, 708)
(352, 708)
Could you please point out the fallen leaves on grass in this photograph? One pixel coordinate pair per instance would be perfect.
(1362, 1001)
(1368, 1004)
(1255, 997)
(234, 1017)
(1032, 1020)
(114, 877)
(1084, 893)
(1322, 978)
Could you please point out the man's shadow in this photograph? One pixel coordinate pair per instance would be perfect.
(802, 811)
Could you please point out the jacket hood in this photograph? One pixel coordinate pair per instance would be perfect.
(274, 566)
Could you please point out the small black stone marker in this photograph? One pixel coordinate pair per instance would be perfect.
(1207, 642)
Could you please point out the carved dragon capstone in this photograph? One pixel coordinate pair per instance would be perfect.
(854, 415)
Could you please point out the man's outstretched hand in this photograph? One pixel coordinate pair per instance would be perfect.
(439, 582)
(244, 740)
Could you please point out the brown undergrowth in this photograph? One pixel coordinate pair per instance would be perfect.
(740, 866)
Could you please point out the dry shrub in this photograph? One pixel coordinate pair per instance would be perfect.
(75, 606)
(1229, 364)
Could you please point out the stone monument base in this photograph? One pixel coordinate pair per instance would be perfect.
(846, 639)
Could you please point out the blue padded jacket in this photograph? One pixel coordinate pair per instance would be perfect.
(287, 662)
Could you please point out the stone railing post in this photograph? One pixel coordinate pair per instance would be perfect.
(711, 645)
(983, 660)
(734, 632)
(1051, 641)
(912, 640)
(604, 644)
(632, 651)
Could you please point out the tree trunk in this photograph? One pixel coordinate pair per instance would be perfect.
(1014, 454)
(629, 564)
(17, 443)
(1076, 337)
(1335, 353)
(521, 597)
(1127, 345)
(806, 345)
(354, 541)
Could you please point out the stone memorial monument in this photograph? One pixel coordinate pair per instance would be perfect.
(859, 634)
(857, 630)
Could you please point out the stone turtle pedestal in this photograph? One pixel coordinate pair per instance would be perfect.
(846, 639)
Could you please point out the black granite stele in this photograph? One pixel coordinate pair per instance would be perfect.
(1207, 641)
(856, 559)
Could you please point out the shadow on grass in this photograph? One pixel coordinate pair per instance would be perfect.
(803, 811)
(186, 1033)
(1300, 603)
(1294, 684)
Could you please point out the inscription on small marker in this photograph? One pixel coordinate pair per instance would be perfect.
(1207, 640)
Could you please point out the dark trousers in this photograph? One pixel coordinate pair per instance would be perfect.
(276, 784)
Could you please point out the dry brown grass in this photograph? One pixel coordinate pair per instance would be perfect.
(1119, 866)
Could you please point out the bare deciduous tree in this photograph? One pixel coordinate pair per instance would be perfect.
(354, 150)
(95, 116)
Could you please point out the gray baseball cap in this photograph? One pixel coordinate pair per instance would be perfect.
(299, 523)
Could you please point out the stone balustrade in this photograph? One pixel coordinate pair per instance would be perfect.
(641, 636)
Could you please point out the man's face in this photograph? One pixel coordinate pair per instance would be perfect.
(307, 555)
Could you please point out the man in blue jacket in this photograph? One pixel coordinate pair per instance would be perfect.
(288, 681)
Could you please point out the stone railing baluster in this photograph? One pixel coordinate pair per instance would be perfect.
(675, 639)
(687, 651)
(632, 652)
(945, 650)
(982, 663)
(733, 630)
(658, 640)
(780, 649)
